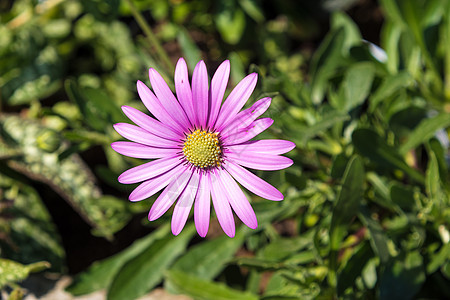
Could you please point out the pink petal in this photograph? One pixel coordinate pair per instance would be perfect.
(184, 204)
(200, 93)
(248, 133)
(202, 206)
(252, 182)
(142, 136)
(218, 86)
(183, 89)
(264, 146)
(149, 170)
(246, 117)
(237, 199)
(260, 161)
(154, 106)
(142, 151)
(167, 98)
(152, 186)
(236, 100)
(169, 195)
(151, 125)
(222, 206)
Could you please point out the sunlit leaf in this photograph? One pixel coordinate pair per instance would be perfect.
(144, 271)
(198, 288)
(425, 130)
(101, 273)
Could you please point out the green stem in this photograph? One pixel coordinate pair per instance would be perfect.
(153, 41)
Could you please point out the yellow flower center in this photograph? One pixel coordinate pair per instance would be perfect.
(201, 148)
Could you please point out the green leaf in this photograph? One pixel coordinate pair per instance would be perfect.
(294, 285)
(260, 264)
(202, 289)
(357, 83)
(369, 144)
(353, 268)
(402, 277)
(348, 201)
(101, 273)
(327, 121)
(438, 259)
(403, 196)
(11, 271)
(208, 258)
(432, 185)
(392, 10)
(369, 273)
(142, 273)
(331, 54)
(381, 189)
(97, 108)
(284, 247)
(345, 209)
(352, 33)
(378, 239)
(424, 131)
(390, 85)
(325, 62)
(390, 36)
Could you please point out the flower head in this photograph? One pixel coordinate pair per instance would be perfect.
(200, 147)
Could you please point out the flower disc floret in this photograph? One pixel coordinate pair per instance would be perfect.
(202, 149)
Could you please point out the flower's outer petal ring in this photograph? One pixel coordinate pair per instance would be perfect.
(202, 205)
(252, 182)
(260, 161)
(155, 107)
(149, 170)
(274, 147)
(222, 206)
(183, 89)
(246, 117)
(248, 133)
(137, 150)
(237, 199)
(200, 93)
(152, 186)
(218, 86)
(236, 100)
(142, 136)
(167, 99)
(151, 125)
(184, 204)
(169, 195)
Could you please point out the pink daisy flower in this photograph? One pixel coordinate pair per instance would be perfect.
(200, 148)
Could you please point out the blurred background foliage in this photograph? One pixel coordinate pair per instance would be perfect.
(362, 88)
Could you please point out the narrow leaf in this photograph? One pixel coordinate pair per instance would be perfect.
(207, 259)
(145, 271)
(424, 131)
(101, 273)
(201, 289)
(348, 200)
